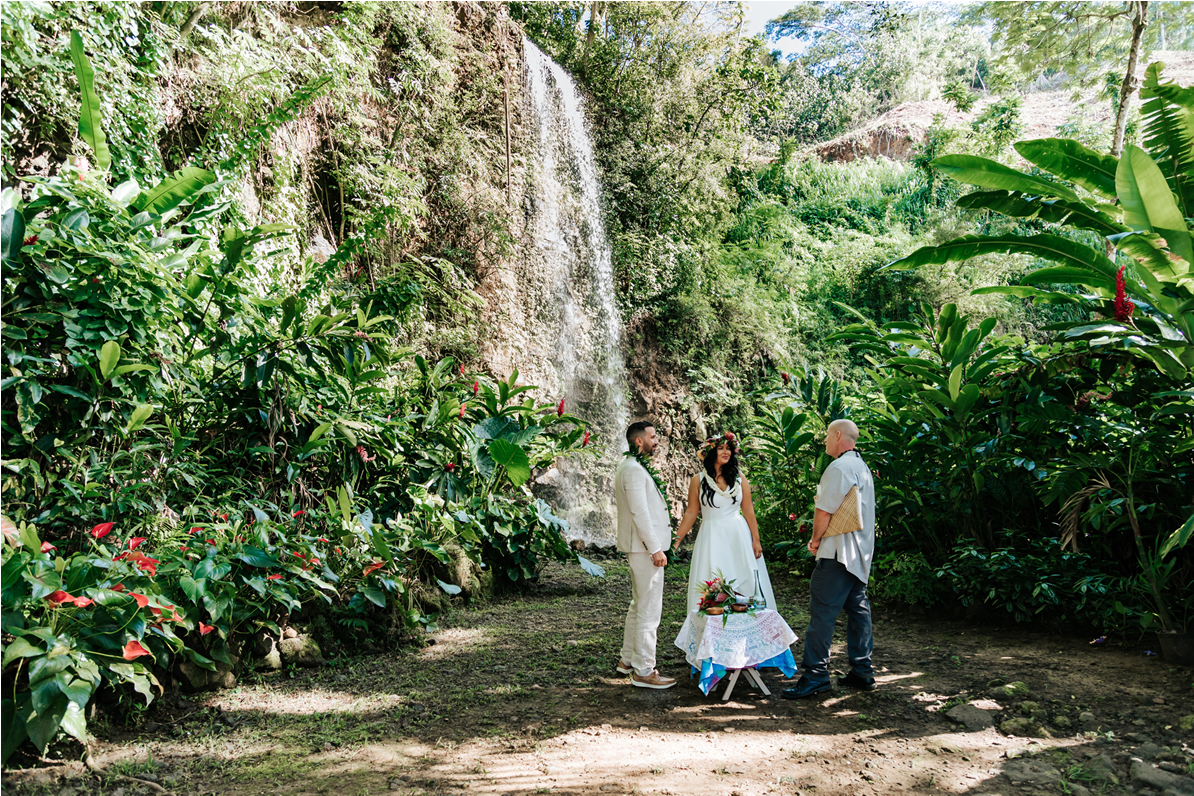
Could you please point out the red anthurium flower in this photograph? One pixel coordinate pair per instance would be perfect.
(224, 517)
(560, 408)
(298, 513)
(177, 618)
(141, 599)
(210, 541)
(585, 444)
(315, 561)
(792, 517)
(136, 541)
(156, 611)
(337, 551)
(118, 587)
(134, 650)
(376, 565)
(183, 549)
(321, 539)
(102, 530)
(83, 602)
(273, 577)
(196, 529)
(299, 555)
(59, 597)
(121, 556)
(47, 547)
(205, 629)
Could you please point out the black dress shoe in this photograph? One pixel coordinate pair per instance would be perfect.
(804, 688)
(855, 680)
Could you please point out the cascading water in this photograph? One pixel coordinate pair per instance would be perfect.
(575, 299)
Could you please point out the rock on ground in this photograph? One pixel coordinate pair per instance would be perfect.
(973, 718)
(1031, 772)
(1152, 777)
(301, 650)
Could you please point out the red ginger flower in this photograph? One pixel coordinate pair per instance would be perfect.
(101, 530)
(476, 387)
(450, 467)
(585, 444)
(787, 379)
(462, 407)
(560, 408)
(1124, 306)
(365, 457)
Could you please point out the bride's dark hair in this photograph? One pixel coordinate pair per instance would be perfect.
(729, 470)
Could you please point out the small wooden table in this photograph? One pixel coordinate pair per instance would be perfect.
(736, 643)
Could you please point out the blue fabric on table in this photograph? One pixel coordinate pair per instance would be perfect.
(711, 673)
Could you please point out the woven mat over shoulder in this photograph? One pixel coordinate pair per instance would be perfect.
(848, 517)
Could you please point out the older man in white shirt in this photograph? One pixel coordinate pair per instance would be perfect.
(842, 571)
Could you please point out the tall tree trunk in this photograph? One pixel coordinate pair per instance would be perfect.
(594, 22)
(1131, 80)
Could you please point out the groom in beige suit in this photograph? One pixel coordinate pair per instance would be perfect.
(644, 532)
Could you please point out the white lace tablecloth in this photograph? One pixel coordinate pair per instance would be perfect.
(743, 642)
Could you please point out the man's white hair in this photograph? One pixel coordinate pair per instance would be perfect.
(845, 427)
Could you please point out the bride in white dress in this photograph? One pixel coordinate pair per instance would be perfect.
(728, 542)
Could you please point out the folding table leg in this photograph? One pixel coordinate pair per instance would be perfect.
(753, 674)
(730, 685)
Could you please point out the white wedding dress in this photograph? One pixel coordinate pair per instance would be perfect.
(723, 545)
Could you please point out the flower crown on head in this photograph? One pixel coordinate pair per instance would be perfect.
(713, 443)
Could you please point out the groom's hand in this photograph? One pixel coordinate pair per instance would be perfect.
(659, 559)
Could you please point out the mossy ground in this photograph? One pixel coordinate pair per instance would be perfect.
(519, 696)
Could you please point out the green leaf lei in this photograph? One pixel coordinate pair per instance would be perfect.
(645, 462)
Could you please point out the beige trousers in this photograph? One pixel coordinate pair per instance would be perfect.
(642, 618)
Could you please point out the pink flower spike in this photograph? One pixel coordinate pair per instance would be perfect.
(102, 530)
(136, 541)
(134, 650)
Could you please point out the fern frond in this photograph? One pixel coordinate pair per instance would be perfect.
(1168, 113)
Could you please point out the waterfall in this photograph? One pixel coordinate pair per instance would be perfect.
(575, 302)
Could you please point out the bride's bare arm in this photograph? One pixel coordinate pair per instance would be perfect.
(690, 513)
(748, 511)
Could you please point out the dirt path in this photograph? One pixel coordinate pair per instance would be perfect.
(519, 697)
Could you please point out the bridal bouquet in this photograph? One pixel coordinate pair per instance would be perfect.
(717, 594)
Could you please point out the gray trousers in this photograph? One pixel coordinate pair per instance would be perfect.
(833, 588)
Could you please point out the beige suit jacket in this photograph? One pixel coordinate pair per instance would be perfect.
(643, 523)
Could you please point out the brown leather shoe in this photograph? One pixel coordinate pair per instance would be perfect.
(653, 680)
(624, 668)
